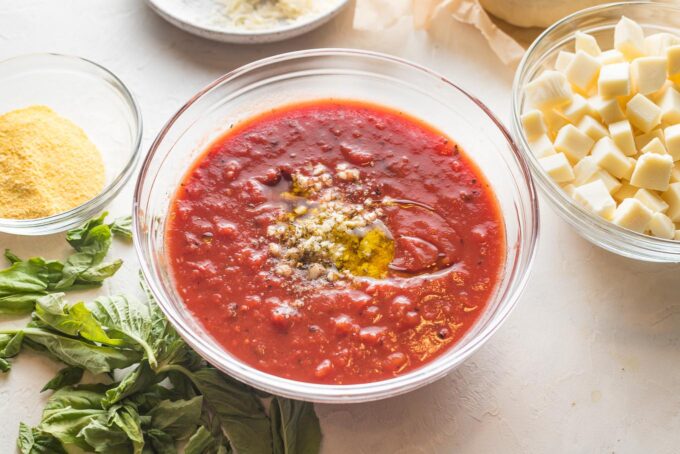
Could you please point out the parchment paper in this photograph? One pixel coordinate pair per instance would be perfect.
(381, 14)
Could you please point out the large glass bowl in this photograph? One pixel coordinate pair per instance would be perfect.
(599, 21)
(94, 99)
(345, 74)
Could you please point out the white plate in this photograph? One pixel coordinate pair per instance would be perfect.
(191, 16)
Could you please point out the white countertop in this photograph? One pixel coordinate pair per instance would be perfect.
(589, 362)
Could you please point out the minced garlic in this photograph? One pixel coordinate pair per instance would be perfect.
(325, 234)
(47, 164)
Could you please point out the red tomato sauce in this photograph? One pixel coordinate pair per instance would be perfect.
(449, 244)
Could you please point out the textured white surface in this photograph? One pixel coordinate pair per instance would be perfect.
(588, 363)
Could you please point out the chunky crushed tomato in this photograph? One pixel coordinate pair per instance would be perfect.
(441, 214)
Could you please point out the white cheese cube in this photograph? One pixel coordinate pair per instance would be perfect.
(608, 156)
(533, 124)
(563, 60)
(661, 226)
(542, 147)
(569, 189)
(609, 110)
(655, 146)
(670, 106)
(651, 200)
(573, 143)
(558, 167)
(622, 135)
(632, 215)
(585, 170)
(554, 121)
(629, 174)
(613, 184)
(626, 191)
(648, 74)
(629, 38)
(643, 113)
(587, 43)
(673, 57)
(672, 198)
(614, 80)
(550, 89)
(583, 70)
(652, 171)
(675, 173)
(658, 43)
(592, 128)
(576, 109)
(596, 198)
(672, 135)
(609, 57)
(643, 140)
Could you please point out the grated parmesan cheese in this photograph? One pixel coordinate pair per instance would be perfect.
(262, 14)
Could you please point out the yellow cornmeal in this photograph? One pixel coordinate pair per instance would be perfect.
(47, 164)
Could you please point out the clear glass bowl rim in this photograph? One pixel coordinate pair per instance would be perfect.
(595, 229)
(62, 221)
(354, 393)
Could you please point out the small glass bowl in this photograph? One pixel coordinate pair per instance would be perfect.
(94, 99)
(599, 21)
(338, 74)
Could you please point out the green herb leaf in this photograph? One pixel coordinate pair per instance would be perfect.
(27, 280)
(122, 227)
(96, 359)
(200, 441)
(137, 380)
(177, 418)
(161, 441)
(10, 345)
(76, 320)
(126, 319)
(240, 413)
(65, 377)
(11, 258)
(295, 427)
(126, 418)
(34, 441)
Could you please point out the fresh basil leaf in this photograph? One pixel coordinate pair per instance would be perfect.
(102, 438)
(77, 237)
(65, 377)
(10, 344)
(24, 277)
(177, 418)
(34, 441)
(18, 304)
(127, 319)
(66, 424)
(75, 265)
(200, 441)
(122, 227)
(96, 359)
(78, 397)
(76, 320)
(161, 441)
(126, 418)
(240, 412)
(11, 258)
(96, 274)
(295, 427)
(137, 380)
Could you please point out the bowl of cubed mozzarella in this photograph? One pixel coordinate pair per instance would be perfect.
(596, 110)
